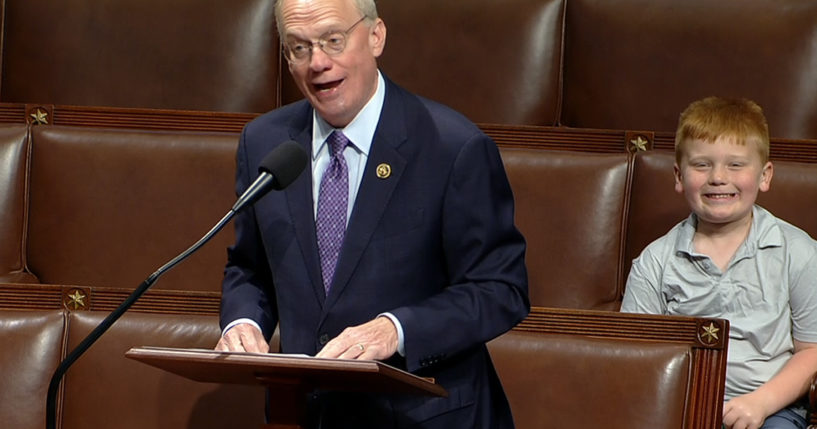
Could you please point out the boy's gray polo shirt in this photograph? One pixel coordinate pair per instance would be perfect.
(768, 293)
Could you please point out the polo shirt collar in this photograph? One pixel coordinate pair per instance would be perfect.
(763, 233)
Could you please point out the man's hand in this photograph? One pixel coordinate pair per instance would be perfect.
(745, 412)
(373, 340)
(243, 337)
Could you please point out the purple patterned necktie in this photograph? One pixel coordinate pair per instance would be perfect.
(330, 221)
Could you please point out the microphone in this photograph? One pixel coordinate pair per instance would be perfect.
(277, 170)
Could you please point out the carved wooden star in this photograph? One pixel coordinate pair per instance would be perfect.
(76, 299)
(40, 117)
(640, 143)
(710, 333)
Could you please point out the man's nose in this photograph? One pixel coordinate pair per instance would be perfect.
(318, 59)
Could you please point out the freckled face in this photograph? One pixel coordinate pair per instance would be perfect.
(721, 180)
(337, 86)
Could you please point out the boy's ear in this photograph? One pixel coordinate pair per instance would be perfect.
(679, 184)
(766, 177)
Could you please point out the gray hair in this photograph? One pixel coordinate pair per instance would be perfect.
(366, 8)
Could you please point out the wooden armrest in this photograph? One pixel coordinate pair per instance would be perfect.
(812, 402)
(681, 360)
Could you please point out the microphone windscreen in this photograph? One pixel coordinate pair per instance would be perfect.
(284, 163)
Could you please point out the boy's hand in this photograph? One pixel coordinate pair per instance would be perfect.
(745, 412)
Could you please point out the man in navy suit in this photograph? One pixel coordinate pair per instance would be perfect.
(427, 265)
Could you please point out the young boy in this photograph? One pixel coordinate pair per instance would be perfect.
(733, 259)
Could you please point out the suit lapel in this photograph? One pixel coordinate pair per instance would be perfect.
(374, 192)
(299, 198)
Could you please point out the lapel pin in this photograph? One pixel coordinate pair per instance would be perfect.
(383, 171)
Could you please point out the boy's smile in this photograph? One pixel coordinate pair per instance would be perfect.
(721, 180)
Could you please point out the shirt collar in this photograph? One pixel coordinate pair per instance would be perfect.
(763, 233)
(360, 131)
(765, 229)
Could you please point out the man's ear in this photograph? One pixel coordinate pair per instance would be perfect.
(766, 177)
(377, 37)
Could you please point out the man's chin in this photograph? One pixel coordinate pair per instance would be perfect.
(334, 115)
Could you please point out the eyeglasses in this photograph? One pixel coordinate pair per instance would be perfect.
(332, 43)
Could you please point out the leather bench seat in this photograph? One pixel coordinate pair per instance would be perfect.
(103, 389)
(99, 209)
(108, 207)
(13, 159)
(576, 373)
(602, 369)
(32, 349)
(579, 63)
(570, 206)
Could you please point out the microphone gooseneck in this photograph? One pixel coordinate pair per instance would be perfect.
(277, 170)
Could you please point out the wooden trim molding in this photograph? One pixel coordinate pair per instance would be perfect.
(21, 296)
(507, 135)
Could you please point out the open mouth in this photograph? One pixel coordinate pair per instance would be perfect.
(328, 85)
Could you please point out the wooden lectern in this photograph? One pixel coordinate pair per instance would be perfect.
(290, 378)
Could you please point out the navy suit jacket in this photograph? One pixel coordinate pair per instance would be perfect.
(434, 243)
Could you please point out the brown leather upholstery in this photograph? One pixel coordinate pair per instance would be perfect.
(493, 60)
(31, 350)
(654, 205)
(631, 64)
(181, 54)
(653, 373)
(573, 202)
(104, 389)
(13, 156)
(583, 63)
(109, 207)
(793, 194)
